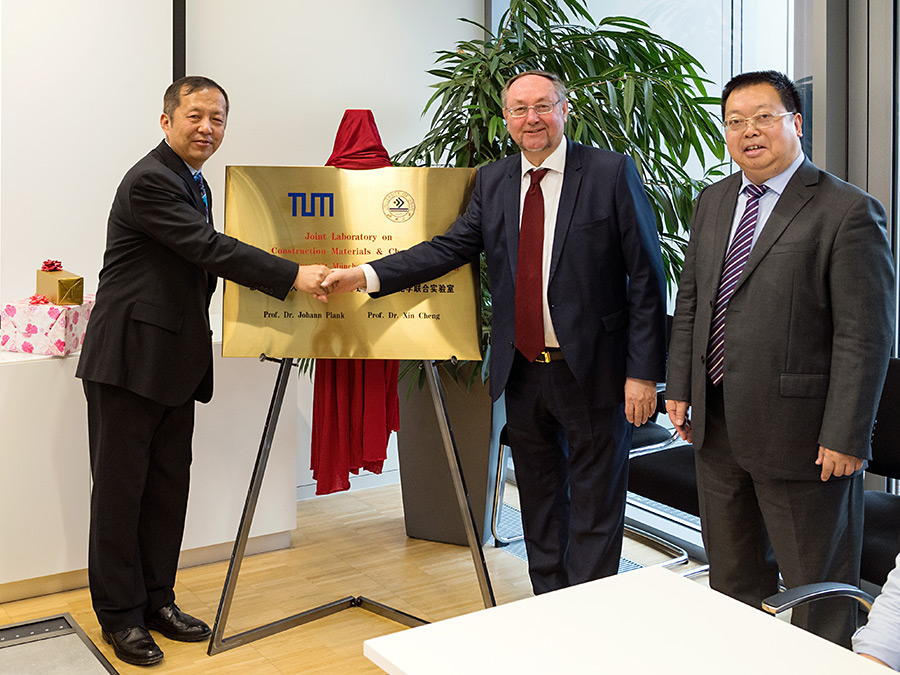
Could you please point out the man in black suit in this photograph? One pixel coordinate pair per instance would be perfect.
(147, 357)
(780, 344)
(578, 327)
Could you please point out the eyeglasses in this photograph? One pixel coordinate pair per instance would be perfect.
(761, 120)
(539, 108)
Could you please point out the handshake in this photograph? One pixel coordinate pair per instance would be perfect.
(320, 281)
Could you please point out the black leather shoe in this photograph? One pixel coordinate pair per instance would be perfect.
(134, 645)
(176, 625)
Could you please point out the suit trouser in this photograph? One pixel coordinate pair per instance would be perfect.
(571, 463)
(813, 529)
(140, 465)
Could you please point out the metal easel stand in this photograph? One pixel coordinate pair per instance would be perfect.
(219, 643)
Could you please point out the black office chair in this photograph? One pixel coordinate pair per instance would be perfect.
(881, 531)
(649, 440)
(499, 490)
(666, 476)
(662, 496)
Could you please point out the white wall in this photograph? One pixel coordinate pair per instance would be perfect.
(82, 86)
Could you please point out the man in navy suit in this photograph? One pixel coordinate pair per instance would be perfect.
(147, 357)
(600, 304)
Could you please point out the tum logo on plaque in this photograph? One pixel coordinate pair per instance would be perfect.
(315, 198)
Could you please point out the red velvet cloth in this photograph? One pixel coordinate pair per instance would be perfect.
(357, 144)
(355, 402)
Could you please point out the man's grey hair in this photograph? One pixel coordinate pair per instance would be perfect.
(558, 85)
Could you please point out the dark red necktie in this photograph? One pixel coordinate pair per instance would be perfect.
(529, 284)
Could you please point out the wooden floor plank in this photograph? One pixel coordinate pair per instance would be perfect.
(351, 543)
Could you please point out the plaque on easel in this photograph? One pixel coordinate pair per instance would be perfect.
(341, 218)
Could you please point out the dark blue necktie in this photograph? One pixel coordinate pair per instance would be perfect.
(199, 178)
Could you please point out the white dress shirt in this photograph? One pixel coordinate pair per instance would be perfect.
(767, 202)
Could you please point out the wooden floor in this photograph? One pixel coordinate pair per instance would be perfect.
(352, 543)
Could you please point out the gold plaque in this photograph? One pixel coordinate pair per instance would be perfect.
(341, 218)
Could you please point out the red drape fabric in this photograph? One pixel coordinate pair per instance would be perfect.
(355, 401)
(357, 144)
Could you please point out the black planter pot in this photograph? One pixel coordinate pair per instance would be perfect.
(430, 507)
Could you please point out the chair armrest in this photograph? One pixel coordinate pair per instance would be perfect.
(792, 597)
(679, 555)
(654, 447)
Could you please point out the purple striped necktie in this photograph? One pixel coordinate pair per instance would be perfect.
(735, 260)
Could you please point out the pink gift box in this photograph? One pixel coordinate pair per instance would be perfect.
(54, 330)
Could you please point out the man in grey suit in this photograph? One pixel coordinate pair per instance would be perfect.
(780, 344)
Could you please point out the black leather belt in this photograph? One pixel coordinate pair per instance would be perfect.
(550, 354)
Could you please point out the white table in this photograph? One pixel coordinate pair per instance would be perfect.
(646, 621)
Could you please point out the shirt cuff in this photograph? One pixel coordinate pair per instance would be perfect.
(373, 283)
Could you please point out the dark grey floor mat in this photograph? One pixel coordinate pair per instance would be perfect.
(50, 646)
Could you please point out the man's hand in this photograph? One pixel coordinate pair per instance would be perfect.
(310, 277)
(342, 281)
(640, 400)
(872, 658)
(836, 463)
(678, 414)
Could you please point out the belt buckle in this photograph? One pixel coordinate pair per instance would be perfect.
(543, 357)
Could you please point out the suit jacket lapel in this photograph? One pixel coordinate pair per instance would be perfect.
(724, 219)
(511, 195)
(203, 207)
(171, 159)
(176, 164)
(798, 191)
(567, 199)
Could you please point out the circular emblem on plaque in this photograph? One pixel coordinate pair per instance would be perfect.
(398, 206)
